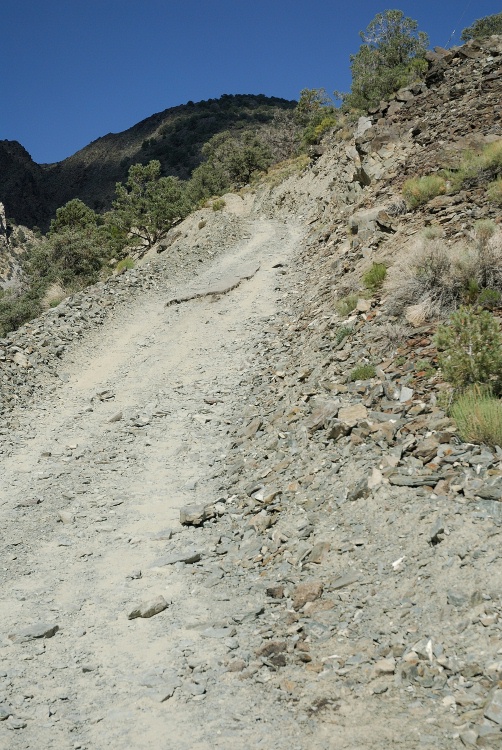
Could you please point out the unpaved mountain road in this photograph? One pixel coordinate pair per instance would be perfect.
(89, 507)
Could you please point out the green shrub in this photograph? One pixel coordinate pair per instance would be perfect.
(494, 191)
(478, 416)
(316, 129)
(346, 305)
(374, 278)
(391, 56)
(420, 190)
(18, 308)
(124, 265)
(471, 349)
(482, 164)
(342, 334)
(423, 365)
(218, 204)
(363, 372)
(483, 27)
(489, 298)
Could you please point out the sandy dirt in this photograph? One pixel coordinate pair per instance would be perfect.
(90, 495)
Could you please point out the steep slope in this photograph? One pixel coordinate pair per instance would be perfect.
(31, 192)
(337, 583)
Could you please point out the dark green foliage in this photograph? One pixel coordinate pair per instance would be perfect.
(180, 145)
(483, 27)
(489, 298)
(363, 372)
(72, 257)
(73, 215)
(316, 114)
(17, 308)
(148, 205)
(392, 56)
(231, 160)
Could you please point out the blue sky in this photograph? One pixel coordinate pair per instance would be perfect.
(74, 70)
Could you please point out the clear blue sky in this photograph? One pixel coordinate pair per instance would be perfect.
(74, 70)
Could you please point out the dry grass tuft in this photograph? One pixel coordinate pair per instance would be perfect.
(478, 416)
(433, 278)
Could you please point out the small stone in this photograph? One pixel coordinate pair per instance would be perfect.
(269, 648)
(148, 609)
(405, 394)
(493, 710)
(437, 532)
(252, 428)
(21, 359)
(4, 712)
(342, 581)
(456, 599)
(375, 480)
(275, 592)
(38, 630)
(352, 414)
(13, 723)
(306, 592)
(236, 665)
(469, 738)
(196, 515)
(196, 689)
(319, 552)
(385, 666)
(363, 305)
(66, 517)
(116, 417)
(188, 557)
(219, 632)
(358, 490)
(337, 429)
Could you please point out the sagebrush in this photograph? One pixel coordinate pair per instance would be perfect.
(470, 347)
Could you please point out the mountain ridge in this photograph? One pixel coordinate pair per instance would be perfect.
(32, 192)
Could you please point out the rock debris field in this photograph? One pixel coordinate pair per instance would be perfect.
(183, 566)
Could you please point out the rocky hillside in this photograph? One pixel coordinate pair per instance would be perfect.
(32, 192)
(361, 531)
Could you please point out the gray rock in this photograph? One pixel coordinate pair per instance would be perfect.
(437, 532)
(493, 710)
(346, 580)
(14, 723)
(149, 608)
(187, 556)
(196, 515)
(4, 712)
(38, 630)
(219, 632)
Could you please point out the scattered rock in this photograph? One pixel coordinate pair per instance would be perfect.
(31, 633)
(149, 608)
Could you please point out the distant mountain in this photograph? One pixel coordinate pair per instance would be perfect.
(32, 192)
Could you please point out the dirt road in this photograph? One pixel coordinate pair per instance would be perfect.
(90, 500)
